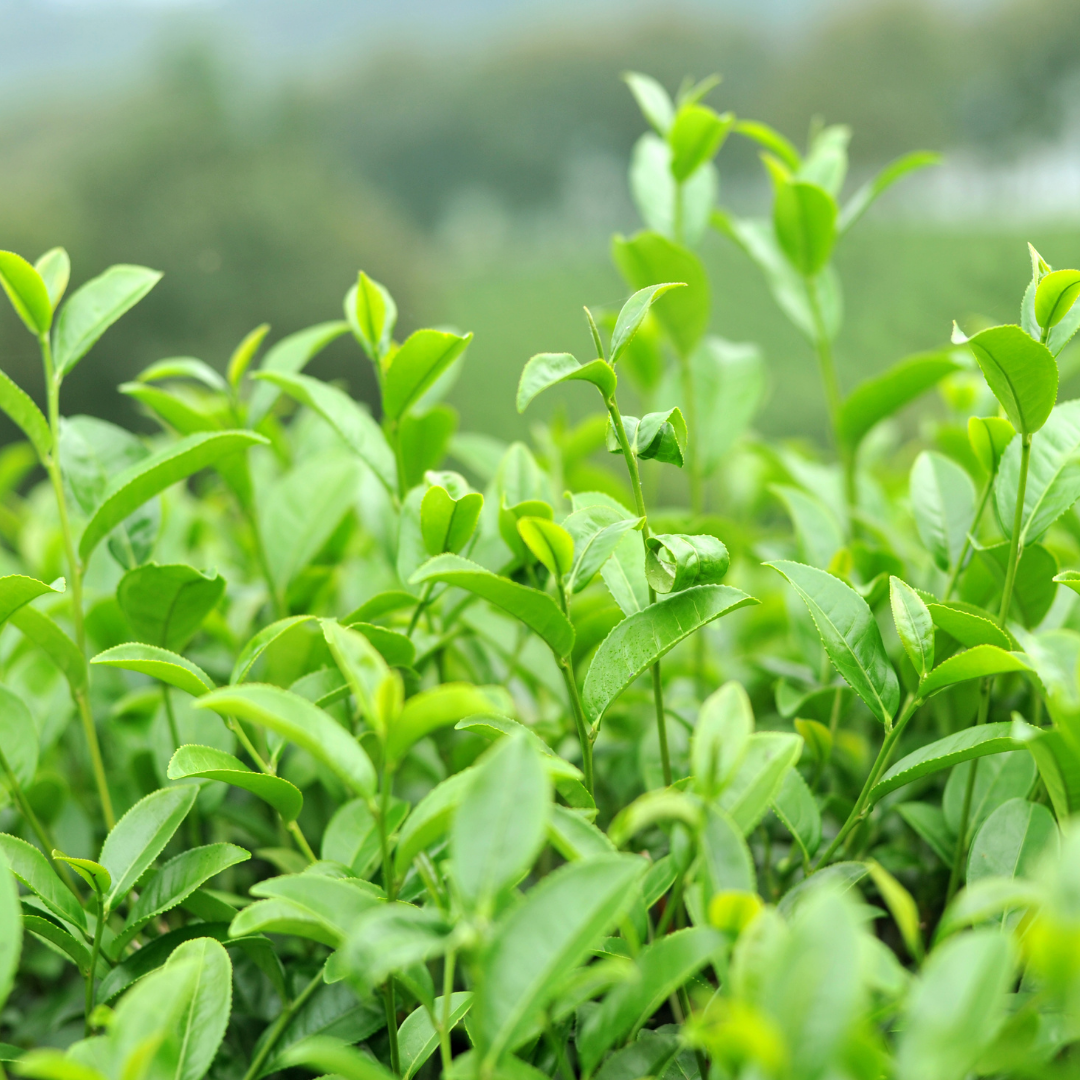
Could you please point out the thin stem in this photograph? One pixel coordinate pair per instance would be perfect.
(639, 502)
(390, 885)
(580, 722)
(52, 467)
(951, 583)
(237, 729)
(419, 609)
(444, 1023)
(94, 952)
(399, 458)
(280, 1024)
(858, 811)
(597, 342)
(1015, 546)
(301, 841)
(969, 792)
(391, 1026)
(170, 716)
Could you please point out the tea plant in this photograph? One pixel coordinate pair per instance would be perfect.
(382, 769)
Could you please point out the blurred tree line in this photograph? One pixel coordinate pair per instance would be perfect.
(261, 205)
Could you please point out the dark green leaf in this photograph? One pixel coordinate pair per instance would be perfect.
(417, 1036)
(535, 609)
(324, 1055)
(643, 638)
(929, 822)
(211, 764)
(850, 635)
(1012, 841)
(549, 369)
(63, 942)
(167, 604)
(541, 940)
(500, 824)
(18, 739)
(1000, 777)
(1059, 766)
(1033, 590)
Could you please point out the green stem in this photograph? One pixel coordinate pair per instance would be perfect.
(639, 502)
(579, 721)
(1015, 546)
(301, 841)
(399, 457)
(390, 885)
(858, 811)
(969, 792)
(444, 1024)
(280, 1024)
(391, 1025)
(831, 386)
(419, 609)
(94, 952)
(170, 716)
(951, 583)
(52, 467)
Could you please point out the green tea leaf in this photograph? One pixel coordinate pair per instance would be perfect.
(652, 99)
(160, 664)
(804, 217)
(183, 367)
(94, 307)
(500, 824)
(976, 663)
(211, 764)
(141, 482)
(989, 436)
(1056, 294)
(902, 907)
(165, 605)
(943, 502)
(819, 533)
(1012, 841)
(1033, 590)
(965, 745)
(546, 370)
(632, 315)
(278, 916)
(430, 710)
(391, 937)
(882, 396)
(422, 358)
(596, 531)
(535, 609)
(850, 636)
(1021, 373)
(955, 1009)
(302, 723)
(20, 408)
(55, 270)
(1000, 777)
(675, 562)
(18, 739)
(860, 202)
(325, 1055)
(648, 258)
(347, 417)
(695, 137)
(541, 940)
(430, 818)
(929, 823)
(551, 544)
(662, 968)
(27, 292)
(795, 806)
(641, 639)
(289, 356)
(725, 723)
(914, 625)
(1059, 767)
(178, 879)
(205, 1002)
(967, 627)
(62, 942)
(417, 1036)
(657, 436)
(60, 649)
(372, 315)
(768, 757)
(31, 867)
(244, 353)
(1053, 482)
(985, 899)
(251, 652)
(93, 873)
(141, 835)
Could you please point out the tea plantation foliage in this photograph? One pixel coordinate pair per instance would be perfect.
(318, 756)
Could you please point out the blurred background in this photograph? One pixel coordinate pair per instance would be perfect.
(472, 155)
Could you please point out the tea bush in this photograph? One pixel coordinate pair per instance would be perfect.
(320, 757)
